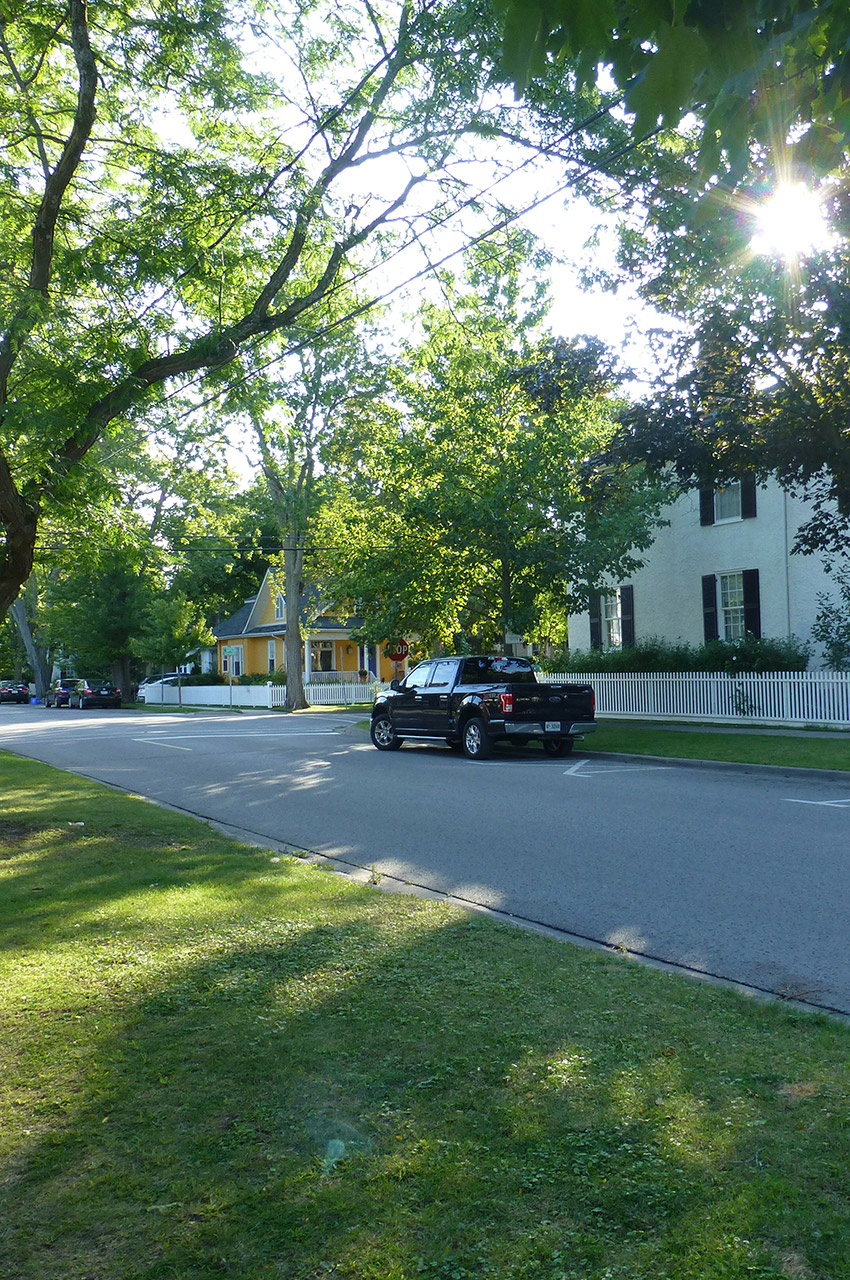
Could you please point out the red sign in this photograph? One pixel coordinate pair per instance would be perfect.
(398, 651)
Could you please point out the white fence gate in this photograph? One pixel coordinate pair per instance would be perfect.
(771, 697)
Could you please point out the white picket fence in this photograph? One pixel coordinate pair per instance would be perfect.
(261, 696)
(785, 698)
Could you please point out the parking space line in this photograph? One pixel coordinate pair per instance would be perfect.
(823, 804)
(580, 768)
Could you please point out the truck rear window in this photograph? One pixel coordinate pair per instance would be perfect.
(497, 670)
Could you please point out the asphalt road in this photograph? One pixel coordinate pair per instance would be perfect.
(732, 873)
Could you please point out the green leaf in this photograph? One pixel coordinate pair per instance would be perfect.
(668, 87)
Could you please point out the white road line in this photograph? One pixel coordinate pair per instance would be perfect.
(580, 769)
(823, 804)
(306, 733)
(154, 742)
(576, 768)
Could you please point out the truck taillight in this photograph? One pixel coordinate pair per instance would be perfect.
(507, 701)
(593, 703)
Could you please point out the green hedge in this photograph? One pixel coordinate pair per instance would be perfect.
(658, 655)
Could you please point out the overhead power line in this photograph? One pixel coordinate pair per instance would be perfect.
(599, 166)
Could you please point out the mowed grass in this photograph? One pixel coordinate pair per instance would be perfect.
(217, 1062)
(805, 752)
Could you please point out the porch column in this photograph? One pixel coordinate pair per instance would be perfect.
(308, 660)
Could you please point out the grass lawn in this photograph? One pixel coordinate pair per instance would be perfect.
(644, 739)
(215, 1061)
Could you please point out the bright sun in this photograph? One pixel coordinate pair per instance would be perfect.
(791, 223)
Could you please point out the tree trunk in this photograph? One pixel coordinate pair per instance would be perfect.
(293, 565)
(506, 605)
(121, 677)
(39, 657)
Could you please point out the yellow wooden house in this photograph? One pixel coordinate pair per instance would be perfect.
(254, 640)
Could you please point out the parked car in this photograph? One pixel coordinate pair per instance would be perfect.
(60, 691)
(152, 687)
(14, 690)
(94, 693)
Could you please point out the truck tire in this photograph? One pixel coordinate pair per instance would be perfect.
(383, 734)
(558, 746)
(476, 744)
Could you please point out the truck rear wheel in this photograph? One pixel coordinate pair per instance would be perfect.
(476, 744)
(558, 746)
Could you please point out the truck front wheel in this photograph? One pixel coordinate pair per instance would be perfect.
(476, 744)
(383, 734)
(558, 746)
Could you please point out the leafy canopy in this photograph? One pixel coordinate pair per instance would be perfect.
(472, 507)
(184, 185)
(776, 73)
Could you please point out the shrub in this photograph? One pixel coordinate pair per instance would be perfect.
(653, 654)
(832, 625)
(263, 677)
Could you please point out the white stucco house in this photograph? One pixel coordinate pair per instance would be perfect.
(721, 568)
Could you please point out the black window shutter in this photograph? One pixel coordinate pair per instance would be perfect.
(596, 621)
(627, 616)
(752, 603)
(748, 497)
(706, 506)
(709, 607)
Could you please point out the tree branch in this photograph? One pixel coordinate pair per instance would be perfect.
(54, 190)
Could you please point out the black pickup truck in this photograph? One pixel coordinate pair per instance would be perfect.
(470, 703)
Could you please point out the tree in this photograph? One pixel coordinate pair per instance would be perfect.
(760, 379)
(294, 418)
(771, 72)
(167, 212)
(167, 526)
(174, 627)
(832, 624)
(474, 510)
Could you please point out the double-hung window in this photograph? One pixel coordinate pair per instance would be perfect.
(735, 501)
(612, 618)
(727, 503)
(731, 605)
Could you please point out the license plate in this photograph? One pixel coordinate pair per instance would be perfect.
(552, 726)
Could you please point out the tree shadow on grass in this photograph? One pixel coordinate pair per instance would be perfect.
(228, 1066)
(403, 1091)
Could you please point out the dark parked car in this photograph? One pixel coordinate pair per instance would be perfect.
(60, 691)
(14, 690)
(94, 693)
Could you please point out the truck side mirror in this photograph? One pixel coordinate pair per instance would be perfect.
(395, 685)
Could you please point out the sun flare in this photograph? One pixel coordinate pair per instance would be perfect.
(791, 223)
